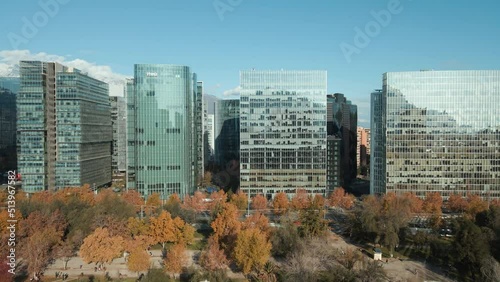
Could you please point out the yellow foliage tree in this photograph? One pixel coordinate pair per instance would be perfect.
(137, 226)
(475, 205)
(301, 200)
(226, 226)
(213, 258)
(100, 247)
(456, 203)
(217, 199)
(416, 204)
(174, 199)
(252, 250)
(176, 258)
(163, 229)
(240, 200)
(133, 198)
(280, 203)
(138, 260)
(258, 221)
(259, 202)
(433, 203)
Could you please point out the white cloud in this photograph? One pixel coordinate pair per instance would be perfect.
(232, 92)
(9, 66)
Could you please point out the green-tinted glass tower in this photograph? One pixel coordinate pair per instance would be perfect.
(161, 130)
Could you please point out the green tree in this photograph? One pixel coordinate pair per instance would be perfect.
(470, 249)
(285, 239)
(312, 223)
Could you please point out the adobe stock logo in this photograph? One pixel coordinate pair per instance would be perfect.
(223, 6)
(49, 9)
(362, 38)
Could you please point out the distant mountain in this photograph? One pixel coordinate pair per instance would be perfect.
(210, 100)
(10, 71)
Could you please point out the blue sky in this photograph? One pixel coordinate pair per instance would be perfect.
(265, 34)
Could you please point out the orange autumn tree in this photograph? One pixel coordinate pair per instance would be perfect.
(136, 227)
(213, 258)
(138, 260)
(340, 198)
(240, 200)
(433, 203)
(259, 202)
(318, 202)
(100, 247)
(216, 200)
(247, 256)
(495, 203)
(163, 229)
(280, 203)
(133, 198)
(456, 203)
(301, 200)
(196, 202)
(226, 226)
(153, 203)
(475, 205)
(176, 258)
(258, 221)
(416, 204)
(173, 200)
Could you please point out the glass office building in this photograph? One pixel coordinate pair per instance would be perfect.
(119, 123)
(162, 147)
(84, 130)
(227, 131)
(283, 137)
(342, 121)
(198, 132)
(227, 144)
(437, 131)
(36, 125)
(9, 88)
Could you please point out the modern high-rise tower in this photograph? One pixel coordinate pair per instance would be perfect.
(119, 122)
(283, 131)
(64, 128)
(84, 130)
(342, 120)
(437, 131)
(36, 125)
(161, 131)
(9, 88)
(198, 132)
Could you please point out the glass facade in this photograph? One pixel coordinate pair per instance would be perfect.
(198, 132)
(36, 124)
(227, 131)
(119, 123)
(162, 143)
(440, 131)
(283, 137)
(84, 131)
(9, 88)
(342, 120)
(208, 137)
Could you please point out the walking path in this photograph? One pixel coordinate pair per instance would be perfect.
(115, 269)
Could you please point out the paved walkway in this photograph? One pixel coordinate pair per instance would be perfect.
(115, 269)
(406, 270)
